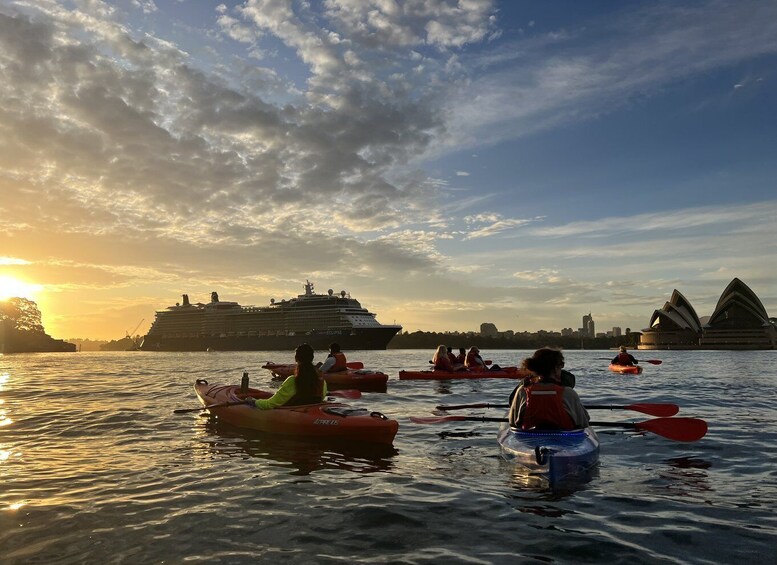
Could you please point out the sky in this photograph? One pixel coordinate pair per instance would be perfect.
(446, 162)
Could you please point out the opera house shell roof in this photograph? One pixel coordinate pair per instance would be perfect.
(739, 321)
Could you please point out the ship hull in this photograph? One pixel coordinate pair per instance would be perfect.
(372, 338)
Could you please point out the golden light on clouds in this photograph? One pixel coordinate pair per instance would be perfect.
(11, 287)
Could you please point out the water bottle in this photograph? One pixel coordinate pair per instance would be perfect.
(244, 382)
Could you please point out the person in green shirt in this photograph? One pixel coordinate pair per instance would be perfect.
(305, 386)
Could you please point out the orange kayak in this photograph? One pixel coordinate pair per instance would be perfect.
(626, 369)
(504, 373)
(361, 379)
(330, 420)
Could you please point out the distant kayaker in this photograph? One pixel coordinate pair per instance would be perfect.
(542, 401)
(336, 360)
(474, 362)
(441, 360)
(305, 386)
(624, 358)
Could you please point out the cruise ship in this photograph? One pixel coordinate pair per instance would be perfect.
(318, 319)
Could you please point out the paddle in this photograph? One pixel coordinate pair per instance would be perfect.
(653, 409)
(651, 361)
(677, 429)
(347, 393)
(221, 405)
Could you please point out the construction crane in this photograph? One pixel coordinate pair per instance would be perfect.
(129, 335)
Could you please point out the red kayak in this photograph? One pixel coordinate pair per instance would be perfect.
(361, 379)
(504, 373)
(626, 369)
(330, 420)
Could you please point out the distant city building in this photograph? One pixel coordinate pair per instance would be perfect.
(488, 329)
(616, 331)
(588, 326)
(738, 322)
(567, 332)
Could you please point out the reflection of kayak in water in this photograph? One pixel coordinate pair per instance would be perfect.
(503, 373)
(626, 369)
(303, 455)
(331, 420)
(555, 455)
(362, 379)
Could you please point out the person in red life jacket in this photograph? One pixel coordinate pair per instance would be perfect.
(624, 358)
(441, 360)
(452, 355)
(473, 361)
(336, 360)
(305, 386)
(542, 401)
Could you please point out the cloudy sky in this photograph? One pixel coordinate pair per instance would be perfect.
(447, 162)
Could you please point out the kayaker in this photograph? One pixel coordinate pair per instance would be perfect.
(474, 362)
(624, 358)
(452, 355)
(542, 401)
(336, 360)
(441, 360)
(305, 386)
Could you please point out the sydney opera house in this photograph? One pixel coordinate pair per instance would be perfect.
(739, 321)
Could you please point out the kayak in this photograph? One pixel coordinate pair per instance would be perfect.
(361, 379)
(330, 420)
(555, 455)
(504, 373)
(626, 369)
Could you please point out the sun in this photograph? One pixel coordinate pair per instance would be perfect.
(11, 287)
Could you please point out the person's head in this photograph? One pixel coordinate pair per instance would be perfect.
(450, 349)
(546, 362)
(442, 351)
(462, 350)
(474, 350)
(623, 349)
(304, 354)
(334, 348)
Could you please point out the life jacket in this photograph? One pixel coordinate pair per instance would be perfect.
(471, 362)
(340, 363)
(624, 359)
(545, 409)
(443, 364)
(300, 399)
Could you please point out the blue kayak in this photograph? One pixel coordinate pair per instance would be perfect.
(555, 455)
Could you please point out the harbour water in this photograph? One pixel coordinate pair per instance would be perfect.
(96, 468)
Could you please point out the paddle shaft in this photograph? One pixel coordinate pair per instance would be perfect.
(220, 405)
(653, 409)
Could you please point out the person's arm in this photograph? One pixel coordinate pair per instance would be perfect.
(282, 395)
(615, 360)
(517, 407)
(575, 408)
(634, 360)
(328, 364)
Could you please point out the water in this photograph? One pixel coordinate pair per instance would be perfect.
(95, 467)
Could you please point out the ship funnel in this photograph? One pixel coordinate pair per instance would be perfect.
(214, 296)
(186, 300)
(330, 292)
(342, 293)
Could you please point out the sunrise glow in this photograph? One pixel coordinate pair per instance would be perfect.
(11, 287)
